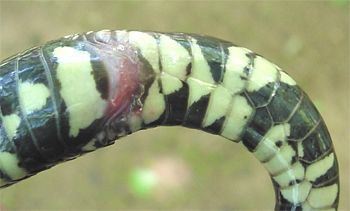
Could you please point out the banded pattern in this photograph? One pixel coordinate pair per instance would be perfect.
(82, 92)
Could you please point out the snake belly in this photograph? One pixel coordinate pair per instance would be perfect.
(79, 93)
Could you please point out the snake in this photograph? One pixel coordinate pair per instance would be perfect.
(84, 91)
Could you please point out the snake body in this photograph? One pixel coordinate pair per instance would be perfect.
(82, 92)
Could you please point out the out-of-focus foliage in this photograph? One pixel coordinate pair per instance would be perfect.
(182, 168)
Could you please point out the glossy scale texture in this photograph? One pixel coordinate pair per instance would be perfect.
(82, 92)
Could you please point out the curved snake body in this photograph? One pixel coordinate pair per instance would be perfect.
(82, 92)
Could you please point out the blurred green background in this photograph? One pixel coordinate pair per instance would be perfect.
(177, 168)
